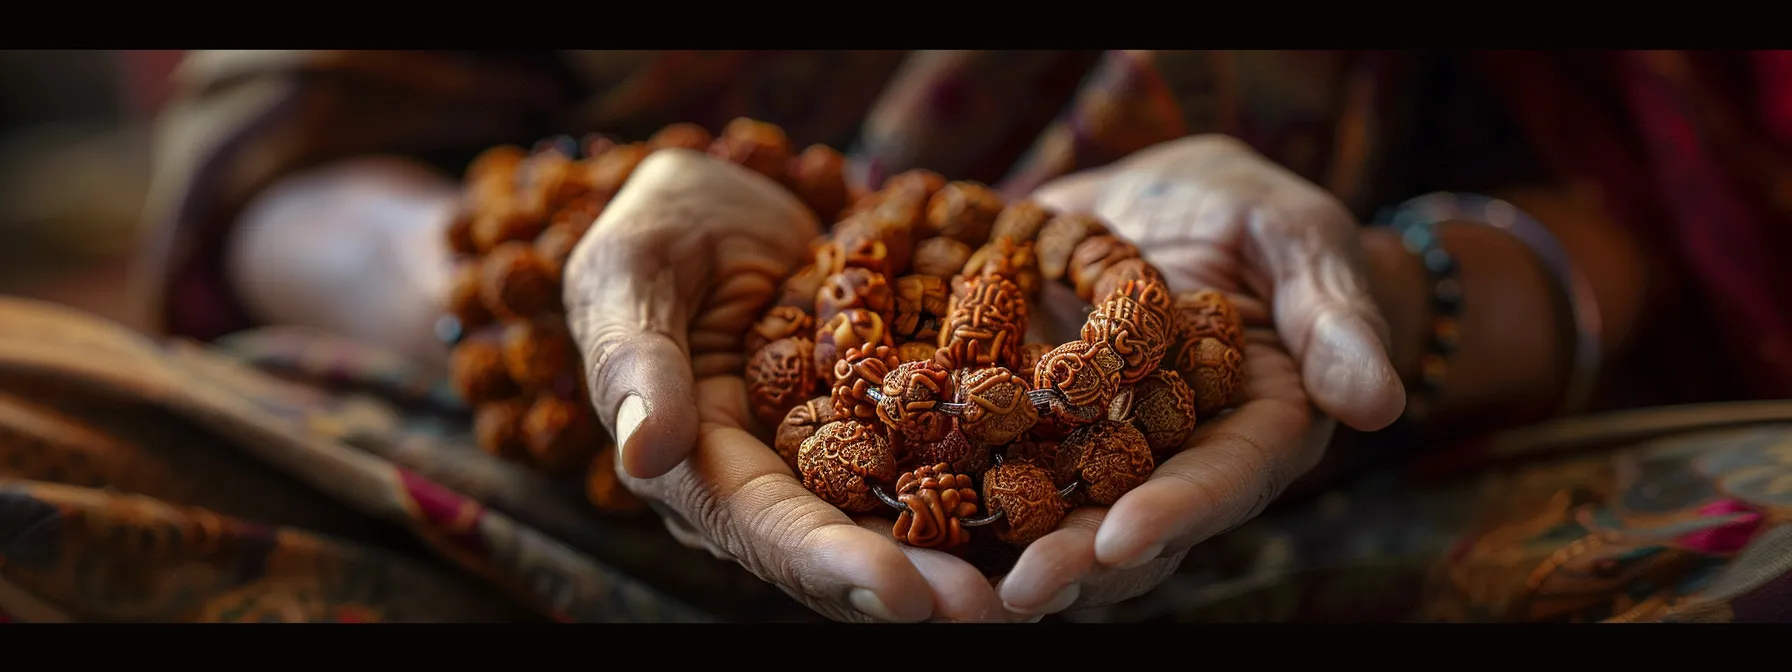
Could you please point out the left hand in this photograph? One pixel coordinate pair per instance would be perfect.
(1211, 213)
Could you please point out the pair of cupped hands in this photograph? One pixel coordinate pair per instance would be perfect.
(662, 288)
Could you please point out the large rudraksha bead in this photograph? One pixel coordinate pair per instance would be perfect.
(516, 283)
(1110, 458)
(1207, 314)
(1007, 259)
(985, 324)
(1093, 257)
(853, 328)
(912, 394)
(1132, 269)
(1136, 333)
(478, 373)
(561, 433)
(964, 211)
(1086, 375)
(1216, 375)
(539, 352)
(855, 288)
(1028, 499)
(1163, 409)
(800, 424)
(818, 176)
(862, 370)
(841, 463)
(921, 305)
(997, 409)
(954, 450)
(780, 376)
(1059, 240)
(935, 501)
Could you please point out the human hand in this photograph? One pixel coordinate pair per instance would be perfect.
(1211, 213)
(659, 294)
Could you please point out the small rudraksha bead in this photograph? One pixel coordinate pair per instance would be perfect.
(604, 488)
(498, 429)
(1136, 333)
(997, 409)
(607, 172)
(1030, 354)
(478, 372)
(1215, 372)
(780, 376)
(1086, 375)
(1059, 240)
(953, 449)
(842, 461)
(779, 322)
(683, 136)
(1005, 258)
(936, 501)
(984, 324)
(1120, 273)
(459, 233)
(923, 183)
(1110, 458)
(760, 147)
(852, 328)
(818, 176)
(555, 246)
(941, 257)
(561, 433)
(800, 424)
(1163, 409)
(1020, 222)
(1208, 314)
(855, 288)
(550, 179)
(861, 242)
(539, 351)
(1093, 257)
(916, 351)
(1028, 499)
(964, 211)
(860, 371)
(799, 290)
(464, 302)
(515, 283)
(913, 393)
(505, 222)
(921, 305)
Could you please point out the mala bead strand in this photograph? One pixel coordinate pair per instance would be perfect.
(800, 424)
(935, 503)
(1027, 498)
(842, 461)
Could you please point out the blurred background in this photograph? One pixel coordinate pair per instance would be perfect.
(74, 167)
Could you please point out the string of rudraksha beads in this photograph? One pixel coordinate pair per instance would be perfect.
(522, 212)
(922, 396)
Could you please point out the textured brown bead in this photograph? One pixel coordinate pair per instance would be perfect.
(1136, 333)
(538, 352)
(1093, 257)
(1005, 258)
(778, 323)
(561, 433)
(498, 429)
(516, 284)
(936, 501)
(498, 164)
(604, 488)
(1163, 409)
(941, 257)
(1110, 458)
(549, 179)
(1059, 240)
(1216, 375)
(760, 147)
(800, 288)
(855, 288)
(918, 182)
(555, 246)
(1120, 273)
(683, 136)
(780, 376)
(1020, 222)
(478, 372)
(953, 450)
(1087, 375)
(1028, 499)
(818, 176)
(921, 305)
(1208, 314)
(859, 371)
(997, 409)
(842, 461)
(852, 328)
(916, 351)
(912, 395)
(860, 243)
(505, 223)
(1030, 354)
(464, 302)
(984, 324)
(800, 424)
(964, 211)
(610, 170)
(459, 233)
(1044, 454)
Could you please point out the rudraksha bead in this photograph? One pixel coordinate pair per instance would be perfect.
(504, 223)
(496, 165)
(610, 170)
(760, 147)
(1086, 375)
(818, 176)
(604, 488)
(800, 424)
(1110, 458)
(842, 461)
(1208, 314)
(498, 429)
(780, 376)
(779, 322)
(464, 301)
(1020, 222)
(920, 182)
(1030, 354)
(1136, 333)
(1043, 453)
(459, 233)
(537, 352)
(1215, 374)
(548, 180)
(800, 288)
(555, 247)
(478, 373)
(964, 211)
(1093, 257)
(912, 394)
(852, 328)
(984, 324)
(921, 305)
(515, 283)
(1004, 258)
(683, 136)
(1163, 409)
(560, 433)
(861, 243)
(1059, 240)
(936, 501)
(953, 449)
(860, 371)
(916, 351)
(855, 288)
(1130, 269)
(997, 409)
(1028, 499)
(941, 257)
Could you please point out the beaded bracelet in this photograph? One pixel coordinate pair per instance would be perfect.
(1418, 234)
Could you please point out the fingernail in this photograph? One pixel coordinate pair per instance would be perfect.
(1059, 602)
(628, 419)
(1150, 553)
(868, 603)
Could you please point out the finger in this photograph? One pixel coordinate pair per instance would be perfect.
(1048, 577)
(961, 594)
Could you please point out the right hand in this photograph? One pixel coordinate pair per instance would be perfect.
(659, 294)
